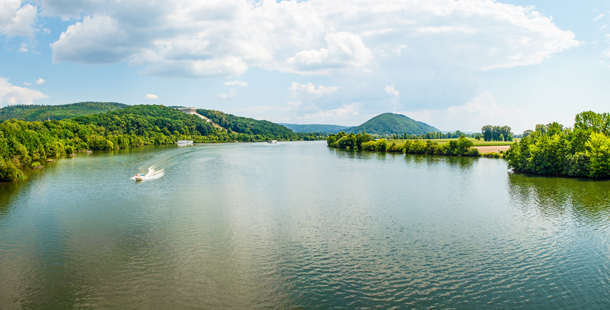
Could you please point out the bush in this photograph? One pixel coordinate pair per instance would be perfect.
(35, 164)
(381, 145)
(492, 155)
(69, 149)
(473, 152)
(8, 171)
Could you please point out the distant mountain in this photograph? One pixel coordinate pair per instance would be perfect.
(316, 128)
(56, 112)
(390, 123)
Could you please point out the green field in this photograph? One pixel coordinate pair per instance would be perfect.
(445, 141)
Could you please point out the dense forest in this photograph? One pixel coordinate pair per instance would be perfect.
(552, 149)
(364, 142)
(25, 144)
(42, 113)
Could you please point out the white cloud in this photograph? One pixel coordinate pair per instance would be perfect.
(344, 49)
(17, 19)
(603, 27)
(309, 90)
(95, 40)
(232, 93)
(236, 83)
(391, 91)
(23, 47)
(40, 81)
(10, 94)
(471, 116)
(27, 83)
(46, 30)
(151, 96)
(598, 17)
(224, 38)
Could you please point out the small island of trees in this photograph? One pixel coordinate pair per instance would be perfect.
(552, 149)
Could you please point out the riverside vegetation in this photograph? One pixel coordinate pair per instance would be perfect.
(25, 144)
(364, 142)
(581, 151)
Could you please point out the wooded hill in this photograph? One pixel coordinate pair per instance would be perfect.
(42, 113)
(390, 123)
(246, 125)
(383, 124)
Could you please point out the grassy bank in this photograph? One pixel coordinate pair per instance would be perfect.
(445, 141)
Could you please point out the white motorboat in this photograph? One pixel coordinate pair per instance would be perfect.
(185, 142)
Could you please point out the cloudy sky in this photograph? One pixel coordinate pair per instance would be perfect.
(453, 64)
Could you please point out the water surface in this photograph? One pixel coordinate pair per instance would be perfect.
(298, 225)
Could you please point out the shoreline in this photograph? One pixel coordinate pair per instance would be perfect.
(492, 148)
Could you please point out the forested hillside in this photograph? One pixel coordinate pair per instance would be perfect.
(56, 112)
(26, 144)
(246, 125)
(390, 123)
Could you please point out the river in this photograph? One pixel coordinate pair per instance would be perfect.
(299, 225)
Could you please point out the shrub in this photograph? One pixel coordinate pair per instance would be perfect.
(8, 171)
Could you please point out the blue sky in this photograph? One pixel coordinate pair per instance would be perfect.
(453, 64)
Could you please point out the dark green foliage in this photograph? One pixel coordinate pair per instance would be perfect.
(492, 155)
(56, 112)
(8, 171)
(496, 133)
(553, 149)
(350, 141)
(390, 123)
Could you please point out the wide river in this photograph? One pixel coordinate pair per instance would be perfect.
(299, 225)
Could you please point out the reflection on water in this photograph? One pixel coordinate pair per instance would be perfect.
(299, 225)
(563, 199)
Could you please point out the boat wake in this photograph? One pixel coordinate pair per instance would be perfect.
(165, 160)
(151, 175)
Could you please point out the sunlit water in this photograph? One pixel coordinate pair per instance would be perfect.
(298, 225)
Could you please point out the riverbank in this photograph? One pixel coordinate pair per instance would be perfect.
(492, 148)
(451, 147)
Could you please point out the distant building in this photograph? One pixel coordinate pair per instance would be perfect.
(193, 111)
(188, 110)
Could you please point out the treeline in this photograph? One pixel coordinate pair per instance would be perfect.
(24, 144)
(496, 133)
(364, 142)
(56, 112)
(552, 149)
(435, 135)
